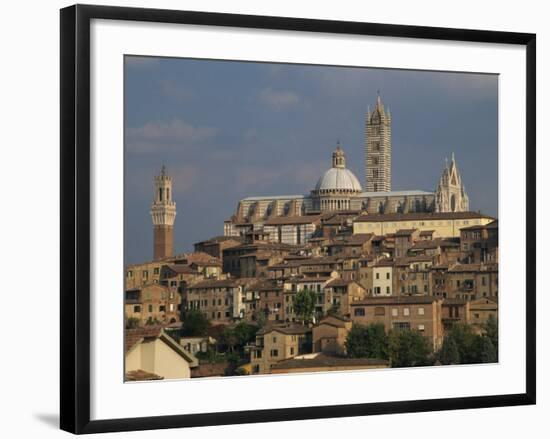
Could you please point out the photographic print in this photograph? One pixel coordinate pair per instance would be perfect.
(289, 218)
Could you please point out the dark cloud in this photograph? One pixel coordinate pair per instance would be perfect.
(226, 130)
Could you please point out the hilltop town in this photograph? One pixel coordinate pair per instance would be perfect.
(338, 279)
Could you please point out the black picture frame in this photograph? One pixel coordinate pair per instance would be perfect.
(75, 217)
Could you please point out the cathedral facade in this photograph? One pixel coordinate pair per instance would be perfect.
(338, 189)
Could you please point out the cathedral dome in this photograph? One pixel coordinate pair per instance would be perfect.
(338, 178)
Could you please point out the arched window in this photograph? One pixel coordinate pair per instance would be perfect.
(453, 203)
(167, 194)
(381, 207)
(160, 194)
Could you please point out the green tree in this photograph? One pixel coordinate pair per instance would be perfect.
(304, 305)
(194, 323)
(484, 351)
(491, 330)
(260, 318)
(237, 337)
(464, 338)
(449, 352)
(408, 348)
(367, 341)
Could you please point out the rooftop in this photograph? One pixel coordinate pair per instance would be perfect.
(275, 197)
(287, 328)
(394, 193)
(323, 360)
(395, 300)
(379, 217)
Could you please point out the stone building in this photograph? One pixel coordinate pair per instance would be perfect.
(153, 303)
(421, 313)
(275, 343)
(329, 335)
(220, 300)
(163, 213)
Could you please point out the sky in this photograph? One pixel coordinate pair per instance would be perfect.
(226, 130)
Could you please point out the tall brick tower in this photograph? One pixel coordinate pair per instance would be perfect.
(163, 212)
(378, 149)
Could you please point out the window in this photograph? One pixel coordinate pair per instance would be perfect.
(274, 339)
(291, 351)
(421, 311)
(377, 290)
(150, 307)
(394, 312)
(130, 273)
(379, 311)
(145, 274)
(359, 312)
(274, 353)
(171, 307)
(421, 327)
(377, 275)
(162, 308)
(157, 270)
(401, 326)
(388, 290)
(258, 354)
(405, 311)
(137, 308)
(387, 275)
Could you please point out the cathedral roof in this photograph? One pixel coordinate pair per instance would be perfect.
(338, 179)
(395, 193)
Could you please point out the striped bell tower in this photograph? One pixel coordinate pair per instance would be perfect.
(378, 149)
(163, 213)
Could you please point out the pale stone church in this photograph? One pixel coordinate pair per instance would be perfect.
(338, 189)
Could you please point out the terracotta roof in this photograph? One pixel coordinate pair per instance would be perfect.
(384, 263)
(312, 279)
(412, 259)
(209, 370)
(141, 375)
(472, 268)
(405, 232)
(333, 320)
(434, 243)
(340, 283)
(394, 300)
(201, 258)
(265, 285)
(214, 283)
(323, 360)
(288, 328)
(134, 336)
(182, 269)
(420, 216)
